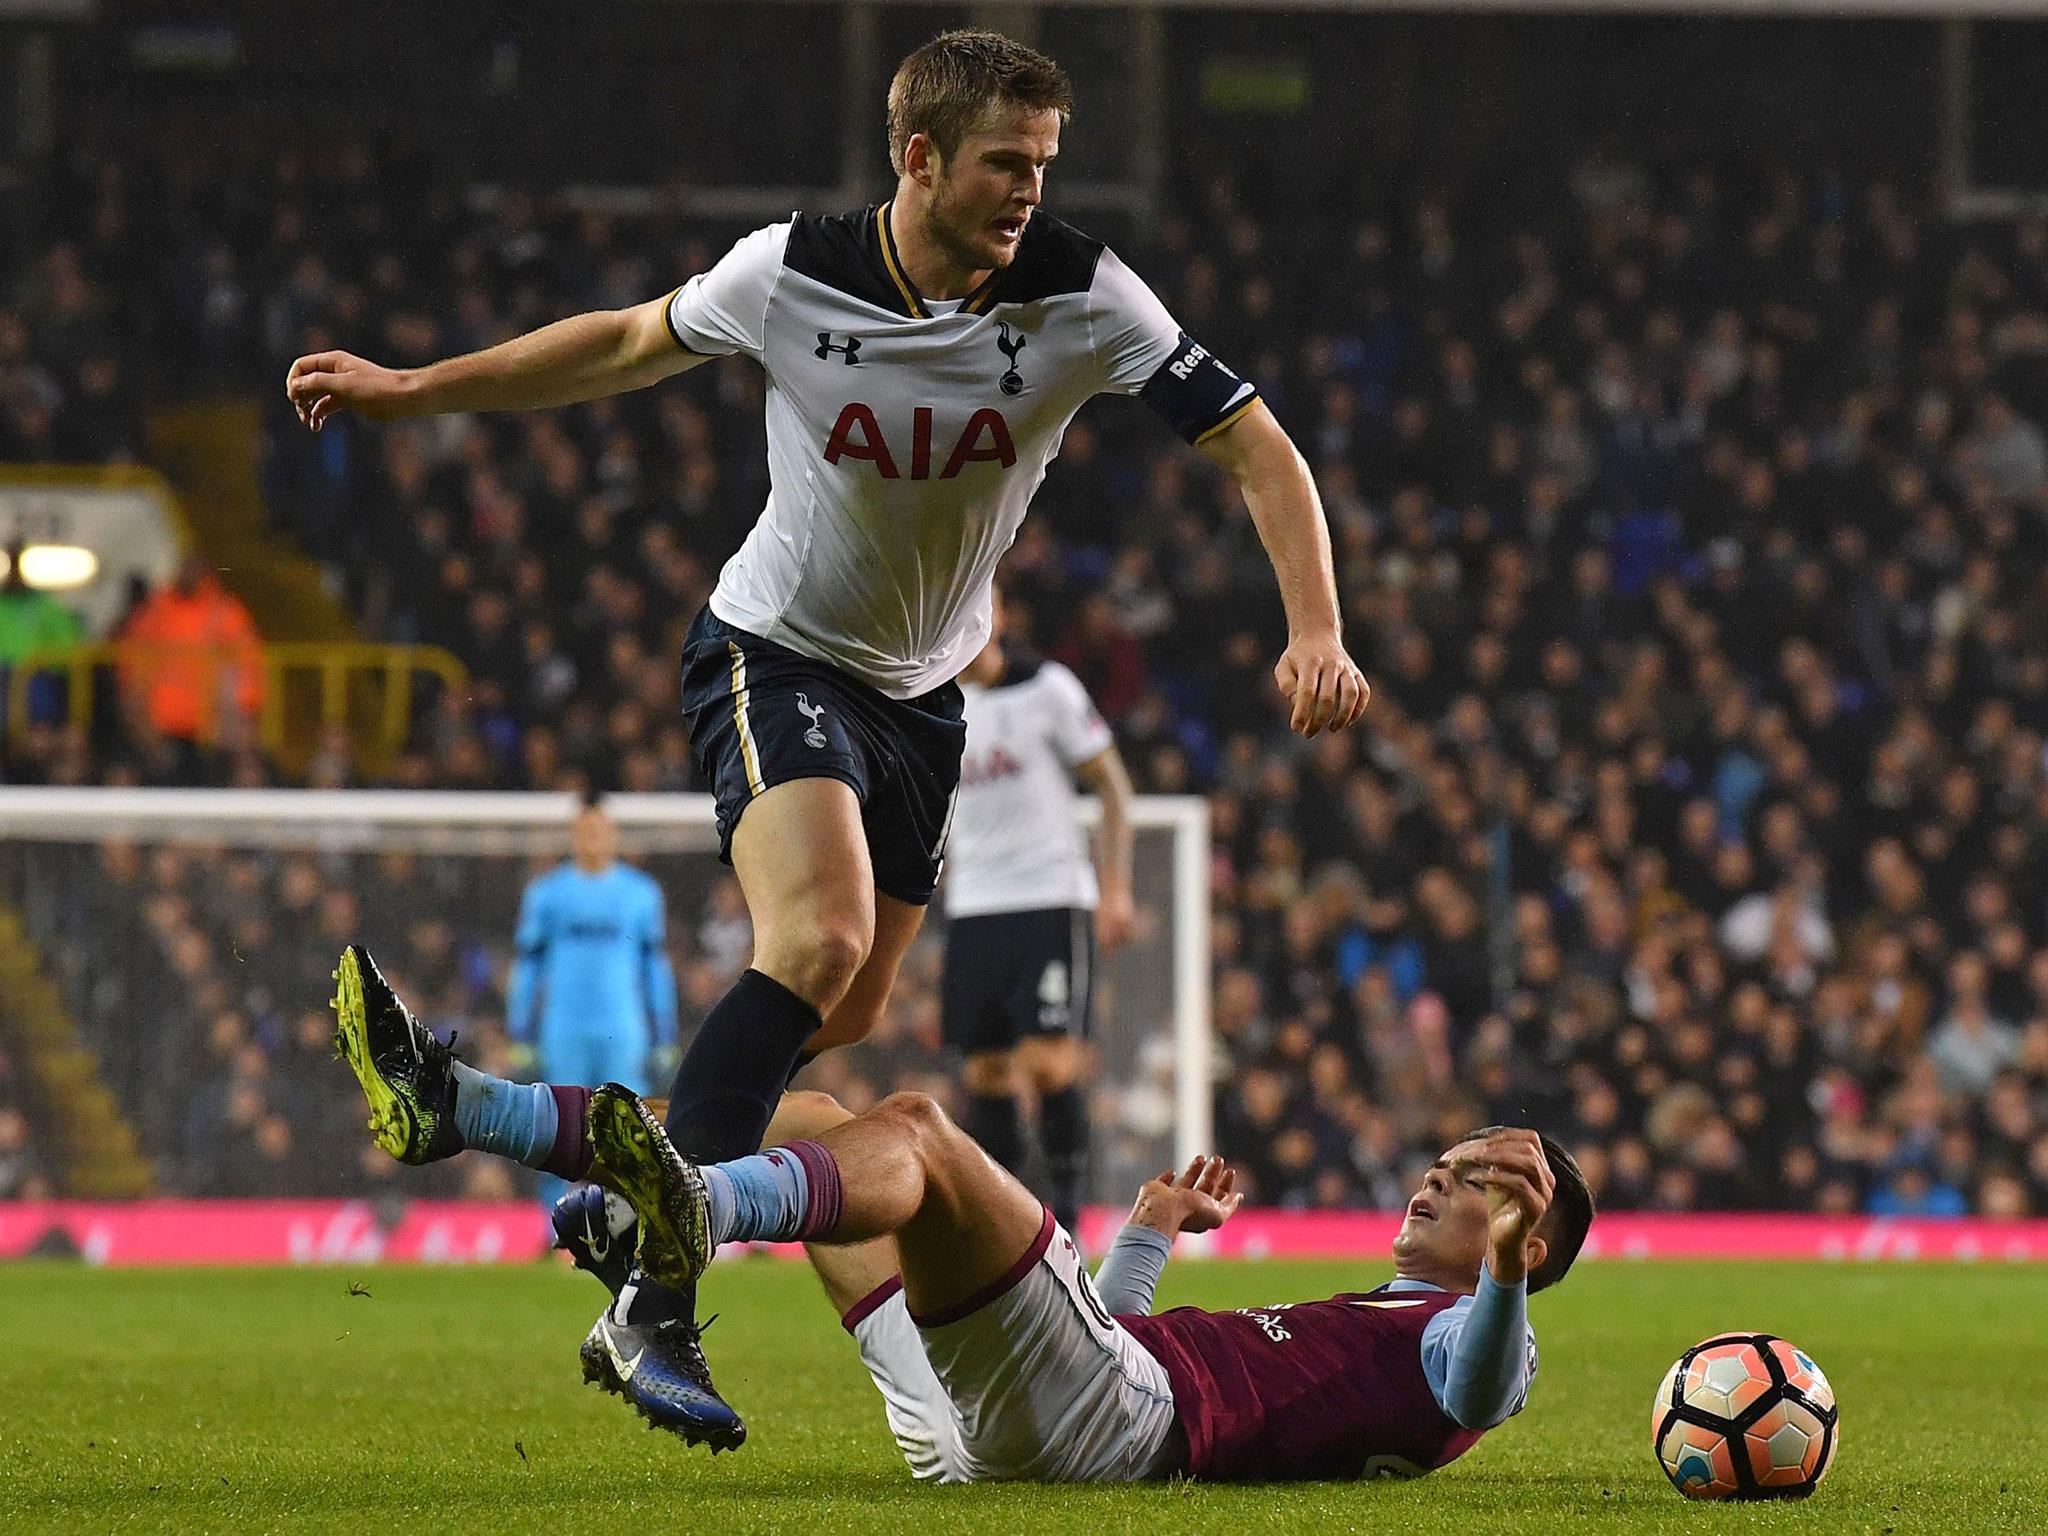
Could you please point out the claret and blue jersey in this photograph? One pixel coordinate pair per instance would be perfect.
(1394, 1382)
(592, 990)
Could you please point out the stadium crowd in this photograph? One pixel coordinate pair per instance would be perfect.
(1690, 529)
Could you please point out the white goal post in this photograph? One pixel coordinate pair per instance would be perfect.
(1173, 831)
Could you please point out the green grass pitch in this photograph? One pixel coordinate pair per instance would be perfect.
(449, 1399)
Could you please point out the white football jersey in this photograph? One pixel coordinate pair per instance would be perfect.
(905, 437)
(1017, 843)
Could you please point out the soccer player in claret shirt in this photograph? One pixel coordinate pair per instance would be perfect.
(923, 358)
(997, 1356)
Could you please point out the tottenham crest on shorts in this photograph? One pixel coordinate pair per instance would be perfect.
(814, 737)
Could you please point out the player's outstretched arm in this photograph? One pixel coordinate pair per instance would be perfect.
(605, 352)
(1315, 672)
(1199, 1199)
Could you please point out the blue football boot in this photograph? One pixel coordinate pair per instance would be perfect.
(659, 1368)
(655, 1362)
(599, 1232)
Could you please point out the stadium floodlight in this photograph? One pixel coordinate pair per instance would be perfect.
(464, 859)
(57, 567)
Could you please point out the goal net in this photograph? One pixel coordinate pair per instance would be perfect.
(190, 935)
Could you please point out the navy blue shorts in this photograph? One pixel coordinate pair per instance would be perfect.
(760, 715)
(1012, 974)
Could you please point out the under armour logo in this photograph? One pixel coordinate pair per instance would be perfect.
(1012, 381)
(826, 347)
(813, 738)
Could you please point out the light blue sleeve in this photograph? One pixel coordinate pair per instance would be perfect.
(660, 974)
(522, 996)
(1478, 1355)
(1130, 1272)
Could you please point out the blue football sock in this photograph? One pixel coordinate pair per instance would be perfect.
(763, 1198)
(515, 1120)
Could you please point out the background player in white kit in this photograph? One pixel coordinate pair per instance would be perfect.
(923, 359)
(1026, 909)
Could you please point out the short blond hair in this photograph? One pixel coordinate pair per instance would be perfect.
(946, 87)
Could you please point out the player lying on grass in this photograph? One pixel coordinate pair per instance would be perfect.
(996, 1355)
(998, 1358)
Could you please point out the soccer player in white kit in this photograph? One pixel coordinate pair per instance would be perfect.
(1027, 909)
(923, 358)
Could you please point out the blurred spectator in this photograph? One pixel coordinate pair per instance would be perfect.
(1690, 526)
(196, 659)
(30, 620)
(32, 623)
(20, 1176)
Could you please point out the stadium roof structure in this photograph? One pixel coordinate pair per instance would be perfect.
(1004, 12)
(1143, 61)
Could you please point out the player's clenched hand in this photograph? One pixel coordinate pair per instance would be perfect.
(322, 383)
(1322, 682)
(1516, 1176)
(1199, 1199)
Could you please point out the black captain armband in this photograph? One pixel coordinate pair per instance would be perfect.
(1197, 394)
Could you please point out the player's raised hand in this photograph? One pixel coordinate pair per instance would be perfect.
(1516, 1176)
(321, 383)
(1199, 1199)
(1322, 682)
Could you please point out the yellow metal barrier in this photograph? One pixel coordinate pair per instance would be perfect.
(347, 673)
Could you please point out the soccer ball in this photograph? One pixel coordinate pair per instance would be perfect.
(1745, 1416)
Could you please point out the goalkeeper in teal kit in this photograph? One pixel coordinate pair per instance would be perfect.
(593, 997)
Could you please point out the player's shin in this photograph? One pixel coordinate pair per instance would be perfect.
(860, 1180)
(791, 1193)
(735, 1071)
(725, 1093)
(538, 1124)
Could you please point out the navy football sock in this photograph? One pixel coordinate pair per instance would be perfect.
(1063, 1133)
(725, 1094)
(992, 1119)
(733, 1075)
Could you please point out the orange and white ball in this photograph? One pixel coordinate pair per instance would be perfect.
(1745, 1416)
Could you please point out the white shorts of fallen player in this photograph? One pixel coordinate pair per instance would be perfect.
(1031, 1380)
